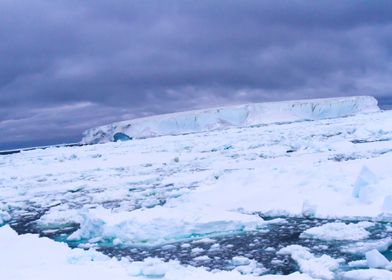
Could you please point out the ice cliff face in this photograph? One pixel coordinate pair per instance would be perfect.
(233, 116)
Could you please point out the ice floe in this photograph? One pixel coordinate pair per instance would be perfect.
(339, 231)
(318, 267)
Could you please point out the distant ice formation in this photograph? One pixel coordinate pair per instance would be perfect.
(232, 116)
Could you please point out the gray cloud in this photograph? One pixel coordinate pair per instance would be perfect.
(68, 65)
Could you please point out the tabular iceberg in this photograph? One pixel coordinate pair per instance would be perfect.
(233, 116)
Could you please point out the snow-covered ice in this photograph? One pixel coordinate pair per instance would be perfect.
(367, 274)
(161, 225)
(318, 267)
(339, 231)
(364, 185)
(30, 257)
(362, 247)
(182, 188)
(387, 204)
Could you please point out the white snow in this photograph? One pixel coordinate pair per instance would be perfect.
(339, 231)
(30, 257)
(358, 264)
(251, 268)
(318, 267)
(4, 217)
(172, 188)
(202, 258)
(387, 204)
(161, 225)
(239, 260)
(240, 115)
(253, 172)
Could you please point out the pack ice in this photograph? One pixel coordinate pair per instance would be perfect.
(327, 158)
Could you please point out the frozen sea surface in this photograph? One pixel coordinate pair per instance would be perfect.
(218, 252)
(207, 199)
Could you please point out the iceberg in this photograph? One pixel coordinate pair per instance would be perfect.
(31, 257)
(367, 274)
(232, 116)
(362, 247)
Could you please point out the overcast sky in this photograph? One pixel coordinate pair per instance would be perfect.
(66, 66)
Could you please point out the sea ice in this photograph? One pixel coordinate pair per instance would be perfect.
(169, 188)
(30, 257)
(322, 267)
(376, 260)
(4, 217)
(239, 260)
(162, 225)
(367, 274)
(362, 247)
(59, 216)
(358, 264)
(364, 185)
(252, 267)
(338, 231)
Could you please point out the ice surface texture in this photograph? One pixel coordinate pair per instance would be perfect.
(241, 115)
(376, 260)
(339, 231)
(30, 257)
(164, 189)
(318, 267)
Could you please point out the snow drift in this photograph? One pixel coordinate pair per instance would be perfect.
(233, 116)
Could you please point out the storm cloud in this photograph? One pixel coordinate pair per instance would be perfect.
(69, 65)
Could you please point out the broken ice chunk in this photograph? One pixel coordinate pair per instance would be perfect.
(376, 260)
(322, 267)
(363, 187)
(364, 246)
(239, 260)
